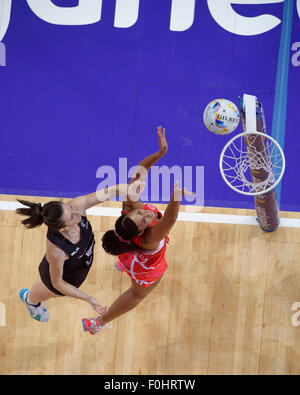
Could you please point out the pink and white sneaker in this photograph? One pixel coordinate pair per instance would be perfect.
(92, 325)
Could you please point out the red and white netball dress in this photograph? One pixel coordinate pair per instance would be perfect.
(145, 266)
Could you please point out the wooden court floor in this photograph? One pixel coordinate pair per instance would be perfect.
(224, 306)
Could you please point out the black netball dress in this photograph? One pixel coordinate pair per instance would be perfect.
(80, 255)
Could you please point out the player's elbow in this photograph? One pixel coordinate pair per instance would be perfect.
(168, 225)
(57, 283)
(170, 220)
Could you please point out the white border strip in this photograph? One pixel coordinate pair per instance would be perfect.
(183, 216)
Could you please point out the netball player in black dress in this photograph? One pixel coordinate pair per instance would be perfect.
(69, 249)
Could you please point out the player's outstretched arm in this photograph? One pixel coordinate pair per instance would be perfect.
(144, 167)
(130, 192)
(158, 232)
(133, 191)
(82, 203)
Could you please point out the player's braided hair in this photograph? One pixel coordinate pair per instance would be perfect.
(118, 241)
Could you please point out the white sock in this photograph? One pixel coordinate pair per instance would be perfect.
(29, 301)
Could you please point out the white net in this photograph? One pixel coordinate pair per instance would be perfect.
(252, 163)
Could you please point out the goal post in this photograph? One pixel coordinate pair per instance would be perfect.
(253, 163)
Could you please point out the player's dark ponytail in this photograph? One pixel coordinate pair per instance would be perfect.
(118, 241)
(50, 214)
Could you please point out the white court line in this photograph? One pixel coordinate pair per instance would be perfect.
(183, 216)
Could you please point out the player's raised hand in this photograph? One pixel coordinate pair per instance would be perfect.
(178, 192)
(162, 141)
(135, 189)
(97, 306)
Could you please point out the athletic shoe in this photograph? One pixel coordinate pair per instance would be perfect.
(92, 325)
(39, 312)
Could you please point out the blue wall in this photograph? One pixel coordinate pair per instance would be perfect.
(76, 97)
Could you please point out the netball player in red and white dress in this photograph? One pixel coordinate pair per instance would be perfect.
(139, 240)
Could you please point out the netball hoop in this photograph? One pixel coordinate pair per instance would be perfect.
(253, 163)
